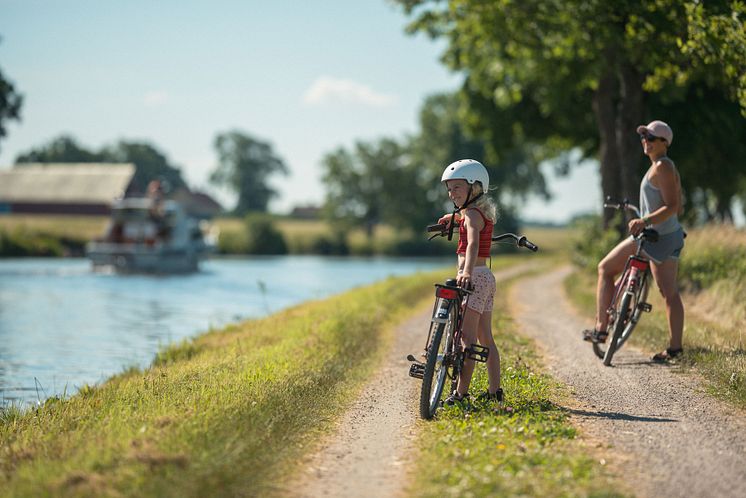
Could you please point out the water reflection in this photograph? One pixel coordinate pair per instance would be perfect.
(62, 326)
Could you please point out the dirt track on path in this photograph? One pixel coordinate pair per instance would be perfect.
(369, 453)
(668, 437)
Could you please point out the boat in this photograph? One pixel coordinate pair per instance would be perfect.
(148, 236)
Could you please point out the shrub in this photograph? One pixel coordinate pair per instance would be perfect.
(593, 242)
(262, 237)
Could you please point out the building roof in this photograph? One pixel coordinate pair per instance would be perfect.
(197, 204)
(95, 183)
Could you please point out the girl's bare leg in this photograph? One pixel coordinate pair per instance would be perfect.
(484, 334)
(468, 337)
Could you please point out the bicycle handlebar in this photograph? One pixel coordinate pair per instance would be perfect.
(520, 240)
(625, 204)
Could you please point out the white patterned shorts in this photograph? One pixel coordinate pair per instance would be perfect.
(482, 297)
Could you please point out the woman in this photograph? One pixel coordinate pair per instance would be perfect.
(660, 205)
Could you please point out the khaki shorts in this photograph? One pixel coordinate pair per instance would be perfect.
(483, 295)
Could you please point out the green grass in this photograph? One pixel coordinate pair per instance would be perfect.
(224, 415)
(526, 448)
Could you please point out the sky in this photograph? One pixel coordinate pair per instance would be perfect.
(307, 76)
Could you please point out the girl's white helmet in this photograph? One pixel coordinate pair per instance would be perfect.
(469, 170)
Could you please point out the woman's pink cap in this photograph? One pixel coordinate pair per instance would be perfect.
(657, 129)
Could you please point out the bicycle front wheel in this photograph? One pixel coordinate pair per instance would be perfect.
(436, 367)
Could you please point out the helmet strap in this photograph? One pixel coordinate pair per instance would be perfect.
(456, 209)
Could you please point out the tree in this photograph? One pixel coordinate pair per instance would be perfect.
(538, 72)
(373, 184)
(149, 162)
(245, 164)
(10, 104)
(63, 149)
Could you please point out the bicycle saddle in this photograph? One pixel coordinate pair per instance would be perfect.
(649, 234)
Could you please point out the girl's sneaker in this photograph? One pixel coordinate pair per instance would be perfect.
(455, 398)
(488, 396)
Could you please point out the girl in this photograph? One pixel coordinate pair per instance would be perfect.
(467, 182)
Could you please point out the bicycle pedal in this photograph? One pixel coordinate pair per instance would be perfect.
(417, 370)
(477, 353)
(646, 307)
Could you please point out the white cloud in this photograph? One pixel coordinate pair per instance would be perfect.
(330, 90)
(155, 98)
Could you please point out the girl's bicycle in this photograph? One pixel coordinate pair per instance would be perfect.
(444, 356)
(630, 293)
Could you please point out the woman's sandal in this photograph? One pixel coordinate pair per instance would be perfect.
(667, 355)
(597, 336)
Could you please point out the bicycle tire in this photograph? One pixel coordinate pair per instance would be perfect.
(436, 370)
(619, 326)
(640, 296)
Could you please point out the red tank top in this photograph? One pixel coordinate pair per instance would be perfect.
(485, 237)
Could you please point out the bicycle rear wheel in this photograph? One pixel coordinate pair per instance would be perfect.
(623, 313)
(436, 367)
(635, 310)
(641, 297)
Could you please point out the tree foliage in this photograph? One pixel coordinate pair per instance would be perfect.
(10, 104)
(245, 165)
(546, 75)
(398, 182)
(150, 164)
(372, 184)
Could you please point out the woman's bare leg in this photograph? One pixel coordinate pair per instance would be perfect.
(665, 276)
(609, 267)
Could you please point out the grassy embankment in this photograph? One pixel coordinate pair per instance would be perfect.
(229, 413)
(712, 275)
(526, 448)
(34, 235)
(224, 414)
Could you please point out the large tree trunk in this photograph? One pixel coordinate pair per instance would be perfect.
(605, 110)
(629, 116)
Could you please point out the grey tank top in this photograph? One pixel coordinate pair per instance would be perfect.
(650, 200)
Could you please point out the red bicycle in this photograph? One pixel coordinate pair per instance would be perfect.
(630, 292)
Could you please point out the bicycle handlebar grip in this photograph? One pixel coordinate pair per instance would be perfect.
(524, 242)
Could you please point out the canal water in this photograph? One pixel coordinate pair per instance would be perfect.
(63, 326)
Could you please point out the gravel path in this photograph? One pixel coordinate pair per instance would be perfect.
(370, 451)
(672, 438)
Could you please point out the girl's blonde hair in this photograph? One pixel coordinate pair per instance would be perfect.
(485, 203)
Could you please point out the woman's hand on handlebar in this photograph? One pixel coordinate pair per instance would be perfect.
(636, 226)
